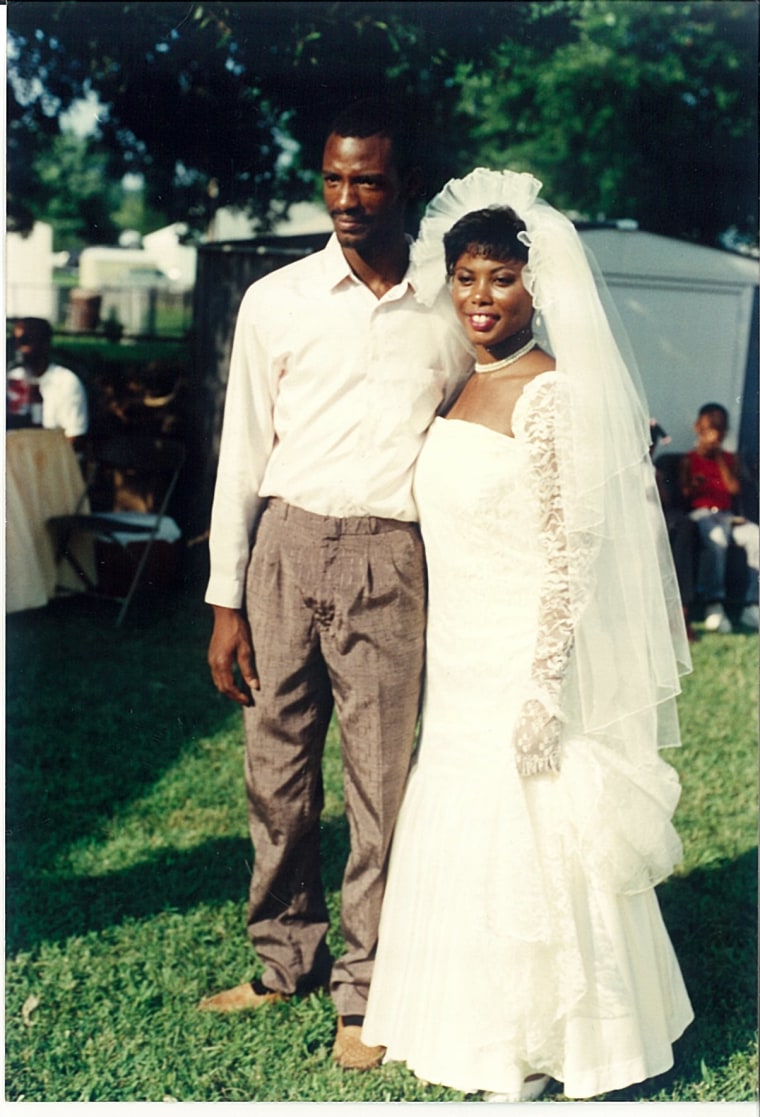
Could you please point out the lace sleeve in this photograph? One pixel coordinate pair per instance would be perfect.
(537, 731)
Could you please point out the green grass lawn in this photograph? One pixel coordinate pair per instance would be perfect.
(128, 861)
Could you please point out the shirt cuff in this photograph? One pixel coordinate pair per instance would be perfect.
(224, 591)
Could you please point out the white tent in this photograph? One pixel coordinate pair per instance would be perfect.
(691, 314)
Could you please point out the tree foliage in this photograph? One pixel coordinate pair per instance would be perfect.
(81, 202)
(623, 107)
(648, 111)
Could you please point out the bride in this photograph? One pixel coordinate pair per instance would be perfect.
(521, 938)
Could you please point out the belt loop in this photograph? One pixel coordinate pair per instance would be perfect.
(373, 525)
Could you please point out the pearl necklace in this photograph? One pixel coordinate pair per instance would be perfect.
(510, 360)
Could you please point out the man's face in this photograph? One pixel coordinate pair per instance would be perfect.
(363, 192)
(711, 428)
(29, 341)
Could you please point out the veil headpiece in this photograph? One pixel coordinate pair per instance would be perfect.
(629, 640)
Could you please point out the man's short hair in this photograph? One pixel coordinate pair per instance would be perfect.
(706, 408)
(373, 116)
(40, 327)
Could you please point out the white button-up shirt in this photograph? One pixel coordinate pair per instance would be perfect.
(64, 399)
(330, 393)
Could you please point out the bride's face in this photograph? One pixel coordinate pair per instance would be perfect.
(489, 297)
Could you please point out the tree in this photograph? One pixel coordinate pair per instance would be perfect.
(228, 103)
(133, 212)
(174, 106)
(201, 98)
(632, 108)
(648, 111)
(79, 200)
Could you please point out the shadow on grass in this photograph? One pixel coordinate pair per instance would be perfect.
(95, 714)
(214, 872)
(711, 916)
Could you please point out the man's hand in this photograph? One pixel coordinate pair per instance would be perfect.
(709, 442)
(231, 645)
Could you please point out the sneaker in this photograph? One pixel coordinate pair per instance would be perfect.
(716, 619)
(749, 617)
(532, 1088)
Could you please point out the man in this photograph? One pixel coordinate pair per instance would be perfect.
(710, 484)
(63, 398)
(336, 373)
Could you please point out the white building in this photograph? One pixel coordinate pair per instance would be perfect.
(29, 274)
(108, 266)
(164, 248)
(178, 260)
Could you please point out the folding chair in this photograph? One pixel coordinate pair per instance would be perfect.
(157, 462)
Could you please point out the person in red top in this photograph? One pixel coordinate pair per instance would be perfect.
(710, 483)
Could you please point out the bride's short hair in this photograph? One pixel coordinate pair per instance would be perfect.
(490, 232)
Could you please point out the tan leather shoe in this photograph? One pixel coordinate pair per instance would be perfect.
(350, 1053)
(240, 999)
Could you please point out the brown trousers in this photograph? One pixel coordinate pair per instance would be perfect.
(337, 615)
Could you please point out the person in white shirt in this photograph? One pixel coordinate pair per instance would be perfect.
(64, 399)
(317, 569)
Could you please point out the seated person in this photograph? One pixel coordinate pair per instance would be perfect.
(710, 484)
(683, 534)
(63, 401)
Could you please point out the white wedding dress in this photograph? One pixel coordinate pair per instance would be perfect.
(517, 936)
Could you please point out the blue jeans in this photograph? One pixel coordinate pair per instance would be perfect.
(717, 530)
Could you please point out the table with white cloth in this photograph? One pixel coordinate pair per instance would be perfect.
(43, 479)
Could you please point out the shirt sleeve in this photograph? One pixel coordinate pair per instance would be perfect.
(246, 443)
(69, 405)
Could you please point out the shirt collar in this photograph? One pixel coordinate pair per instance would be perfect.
(335, 263)
(337, 268)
